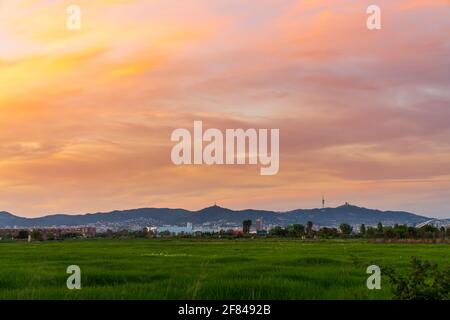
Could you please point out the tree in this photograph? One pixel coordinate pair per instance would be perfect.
(50, 236)
(442, 232)
(325, 232)
(389, 232)
(309, 226)
(400, 231)
(362, 229)
(23, 234)
(36, 235)
(371, 232)
(346, 229)
(298, 230)
(380, 227)
(412, 232)
(429, 228)
(278, 231)
(246, 226)
(428, 231)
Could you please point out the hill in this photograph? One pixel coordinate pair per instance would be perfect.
(218, 216)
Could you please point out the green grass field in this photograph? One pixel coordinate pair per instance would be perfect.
(204, 269)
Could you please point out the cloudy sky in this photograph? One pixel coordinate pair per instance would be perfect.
(86, 116)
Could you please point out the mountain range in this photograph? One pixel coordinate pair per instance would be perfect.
(216, 216)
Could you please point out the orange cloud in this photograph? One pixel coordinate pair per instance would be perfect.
(86, 116)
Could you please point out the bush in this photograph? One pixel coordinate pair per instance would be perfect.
(424, 282)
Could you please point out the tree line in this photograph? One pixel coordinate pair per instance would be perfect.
(345, 230)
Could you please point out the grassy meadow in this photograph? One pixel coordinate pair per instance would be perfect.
(204, 269)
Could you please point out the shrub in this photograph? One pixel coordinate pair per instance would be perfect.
(424, 282)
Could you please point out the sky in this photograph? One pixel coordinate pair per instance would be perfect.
(86, 115)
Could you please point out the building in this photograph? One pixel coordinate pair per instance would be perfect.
(259, 224)
(177, 229)
(437, 223)
(150, 229)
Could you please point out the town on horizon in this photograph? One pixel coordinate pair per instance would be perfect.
(216, 219)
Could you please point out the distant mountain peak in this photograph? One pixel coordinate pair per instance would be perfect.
(214, 208)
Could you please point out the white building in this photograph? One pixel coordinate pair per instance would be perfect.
(177, 229)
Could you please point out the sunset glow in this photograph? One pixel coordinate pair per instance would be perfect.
(86, 116)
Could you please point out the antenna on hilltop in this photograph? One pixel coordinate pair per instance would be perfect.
(323, 202)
